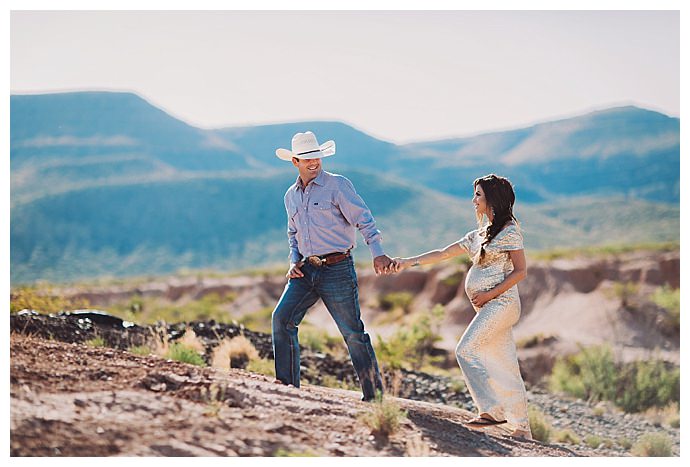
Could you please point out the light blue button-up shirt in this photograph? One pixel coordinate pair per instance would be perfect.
(323, 216)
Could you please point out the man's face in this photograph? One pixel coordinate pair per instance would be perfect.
(308, 168)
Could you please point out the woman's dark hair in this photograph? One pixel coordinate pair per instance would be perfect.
(500, 197)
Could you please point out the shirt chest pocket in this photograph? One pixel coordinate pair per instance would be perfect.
(322, 212)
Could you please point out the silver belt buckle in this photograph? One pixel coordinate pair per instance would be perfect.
(316, 261)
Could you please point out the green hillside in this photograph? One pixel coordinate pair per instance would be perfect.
(107, 184)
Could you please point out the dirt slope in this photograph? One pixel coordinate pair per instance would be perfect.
(76, 400)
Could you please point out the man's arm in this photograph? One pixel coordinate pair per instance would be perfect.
(357, 213)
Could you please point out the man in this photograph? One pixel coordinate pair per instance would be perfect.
(323, 212)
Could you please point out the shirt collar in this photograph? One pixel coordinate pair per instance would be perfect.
(319, 180)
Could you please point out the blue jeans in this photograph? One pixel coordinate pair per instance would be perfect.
(336, 285)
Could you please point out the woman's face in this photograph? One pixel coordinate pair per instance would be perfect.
(479, 201)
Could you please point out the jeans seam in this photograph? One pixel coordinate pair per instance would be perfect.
(292, 351)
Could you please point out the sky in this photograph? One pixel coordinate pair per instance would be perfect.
(401, 76)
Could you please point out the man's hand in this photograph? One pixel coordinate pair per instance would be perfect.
(399, 264)
(382, 264)
(294, 272)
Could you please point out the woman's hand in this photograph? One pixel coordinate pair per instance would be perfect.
(481, 298)
(400, 264)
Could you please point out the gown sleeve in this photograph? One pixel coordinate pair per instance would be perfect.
(466, 241)
(510, 239)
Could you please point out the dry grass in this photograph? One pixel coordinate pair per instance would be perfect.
(234, 353)
(383, 417)
(160, 343)
(669, 415)
(540, 427)
(191, 341)
(417, 447)
(653, 445)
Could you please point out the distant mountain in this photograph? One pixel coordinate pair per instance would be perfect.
(106, 184)
(625, 150)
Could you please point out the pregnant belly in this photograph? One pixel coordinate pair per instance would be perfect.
(482, 279)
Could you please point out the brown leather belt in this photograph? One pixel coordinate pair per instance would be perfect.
(327, 260)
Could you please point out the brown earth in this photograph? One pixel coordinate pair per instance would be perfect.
(77, 400)
(569, 302)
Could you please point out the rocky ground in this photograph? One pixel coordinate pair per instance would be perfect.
(69, 398)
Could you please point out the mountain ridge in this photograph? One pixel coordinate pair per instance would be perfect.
(67, 148)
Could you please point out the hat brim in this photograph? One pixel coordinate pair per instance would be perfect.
(325, 150)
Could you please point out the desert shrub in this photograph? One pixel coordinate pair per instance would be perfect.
(653, 445)
(411, 344)
(31, 298)
(259, 320)
(566, 436)
(626, 291)
(191, 340)
(593, 441)
(181, 353)
(142, 350)
(319, 340)
(541, 429)
(331, 381)
(262, 366)
(97, 341)
(594, 375)
(233, 353)
(383, 417)
(454, 279)
(396, 300)
(624, 442)
(591, 374)
(669, 299)
(648, 384)
(533, 341)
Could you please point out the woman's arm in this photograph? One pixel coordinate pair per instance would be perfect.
(430, 257)
(519, 272)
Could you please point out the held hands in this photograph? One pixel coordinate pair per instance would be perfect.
(382, 265)
(400, 264)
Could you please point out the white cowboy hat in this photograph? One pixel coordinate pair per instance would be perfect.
(305, 146)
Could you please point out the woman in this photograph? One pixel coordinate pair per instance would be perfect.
(486, 351)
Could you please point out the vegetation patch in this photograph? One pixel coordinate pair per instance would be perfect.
(383, 417)
(603, 250)
(541, 429)
(181, 353)
(234, 353)
(412, 344)
(594, 375)
(669, 299)
(97, 341)
(43, 300)
(653, 445)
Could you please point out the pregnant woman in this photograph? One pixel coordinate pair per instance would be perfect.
(486, 351)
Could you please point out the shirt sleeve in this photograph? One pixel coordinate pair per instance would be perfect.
(510, 239)
(467, 240)
(356, 212)
(295, 255)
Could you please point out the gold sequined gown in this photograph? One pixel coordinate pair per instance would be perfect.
(486, 351)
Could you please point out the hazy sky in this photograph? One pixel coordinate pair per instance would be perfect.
(400, 76)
